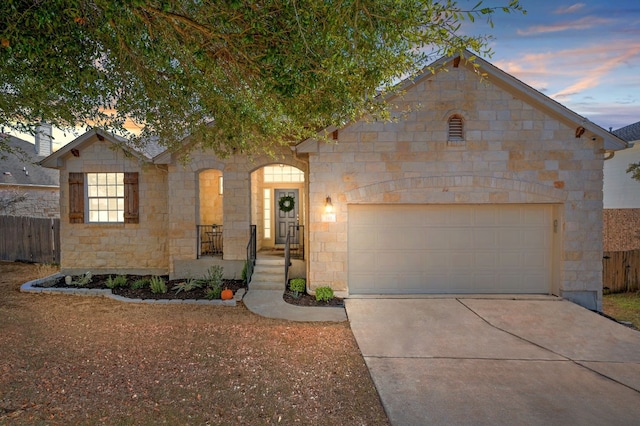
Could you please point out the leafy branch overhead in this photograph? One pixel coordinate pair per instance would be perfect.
(267, 72)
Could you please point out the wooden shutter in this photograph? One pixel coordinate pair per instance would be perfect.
(76, 197)
(131, 200)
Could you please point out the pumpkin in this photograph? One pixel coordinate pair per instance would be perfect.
(226, 294)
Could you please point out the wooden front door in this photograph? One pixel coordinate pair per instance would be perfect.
(285, 219)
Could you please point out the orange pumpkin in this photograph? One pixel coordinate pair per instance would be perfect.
(226, 294)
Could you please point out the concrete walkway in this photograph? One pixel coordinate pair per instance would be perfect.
(270, 304)
(466, 361)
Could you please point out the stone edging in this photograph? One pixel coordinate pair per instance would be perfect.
(31, 287)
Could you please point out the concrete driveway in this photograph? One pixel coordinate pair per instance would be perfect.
(457, 361)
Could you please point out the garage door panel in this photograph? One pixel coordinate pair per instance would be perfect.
(450, 249)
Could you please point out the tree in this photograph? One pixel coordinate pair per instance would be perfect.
(234, 75)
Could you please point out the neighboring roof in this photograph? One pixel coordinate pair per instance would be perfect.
(629, 133)
(149, 149)
(501, 78)
(22, 168)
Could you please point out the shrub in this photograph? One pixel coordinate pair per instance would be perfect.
(213, 277)
(82, 280)
(213, 292)
(245, 269)
(158, 285)
(140, 283)
(187, 285)
(297, 286)
(118, 281)
(324, 294)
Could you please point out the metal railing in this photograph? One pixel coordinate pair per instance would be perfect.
(293, 248)
(209, 240)
(252, 248)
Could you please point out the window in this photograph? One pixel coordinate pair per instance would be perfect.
(267, 213)
(456, 130)
(105, 194)
(108, 197)
(283, 173)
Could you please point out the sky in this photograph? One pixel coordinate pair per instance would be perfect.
(583, 54)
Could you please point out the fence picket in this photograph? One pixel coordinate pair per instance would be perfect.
(29, 239)
(621, 271)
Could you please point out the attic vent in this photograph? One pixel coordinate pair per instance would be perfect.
(456, 131)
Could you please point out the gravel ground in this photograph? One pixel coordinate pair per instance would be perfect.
(84, 360)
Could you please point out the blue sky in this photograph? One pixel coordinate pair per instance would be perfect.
(583, 54)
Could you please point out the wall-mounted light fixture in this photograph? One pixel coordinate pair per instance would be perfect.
(328, 206)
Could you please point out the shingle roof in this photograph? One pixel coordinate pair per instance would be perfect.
(22, 168)
(629, 133)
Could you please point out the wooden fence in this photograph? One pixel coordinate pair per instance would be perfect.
(621, 271)
(29, 239)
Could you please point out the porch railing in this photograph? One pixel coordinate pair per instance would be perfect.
(293, 248)
(252, 249)
(209, 240)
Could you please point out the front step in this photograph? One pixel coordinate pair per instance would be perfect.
(268, 274)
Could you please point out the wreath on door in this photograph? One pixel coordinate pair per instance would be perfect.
(286, 203)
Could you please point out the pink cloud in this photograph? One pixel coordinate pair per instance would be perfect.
(569, 9)
(580, 24)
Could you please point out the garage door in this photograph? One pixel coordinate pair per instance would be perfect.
(450, 249)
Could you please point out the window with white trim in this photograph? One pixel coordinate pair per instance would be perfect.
(105, 197)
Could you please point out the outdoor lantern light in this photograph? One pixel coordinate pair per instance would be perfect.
(328, 207)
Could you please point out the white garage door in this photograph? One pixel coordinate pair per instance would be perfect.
(450, 249)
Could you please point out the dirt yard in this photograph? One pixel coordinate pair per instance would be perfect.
(83, 360)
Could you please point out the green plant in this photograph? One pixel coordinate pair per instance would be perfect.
(213, 293)
(324, 294)
(158, 285)
(140, 283)
(187, 285)
(213, 277)
(245, 270)
(297, 286)
(82, 280)
(118, 281)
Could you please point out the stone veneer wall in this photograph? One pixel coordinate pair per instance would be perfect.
(621, 229)
(135, 248)
(36, 201)
(237, 206)
(513, 153)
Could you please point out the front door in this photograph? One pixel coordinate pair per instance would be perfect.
(286, 212)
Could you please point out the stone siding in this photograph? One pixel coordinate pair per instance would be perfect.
(134, 248)
(513, 152)
(32, 201)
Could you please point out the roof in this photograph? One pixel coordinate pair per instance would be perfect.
(505, 80)
(629, 133)
(146, 150)
(22, 168)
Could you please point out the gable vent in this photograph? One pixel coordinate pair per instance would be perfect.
(456, 131)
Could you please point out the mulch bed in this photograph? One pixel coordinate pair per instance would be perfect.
(99, 282)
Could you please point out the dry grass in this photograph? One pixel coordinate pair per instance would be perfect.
(81, 360)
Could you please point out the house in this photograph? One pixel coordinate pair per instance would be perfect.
(475, 186)
(622, 195)
(26, 188)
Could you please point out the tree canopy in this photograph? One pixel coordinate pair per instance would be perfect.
(234, 75)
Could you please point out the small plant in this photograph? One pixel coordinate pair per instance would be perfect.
(140, 283)
(82, 280)
(213, 277)
(245, 270)
(213, 293)
(158, 285)
(187, 285)
(118, 281)
(324, 294)
(297, 286)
